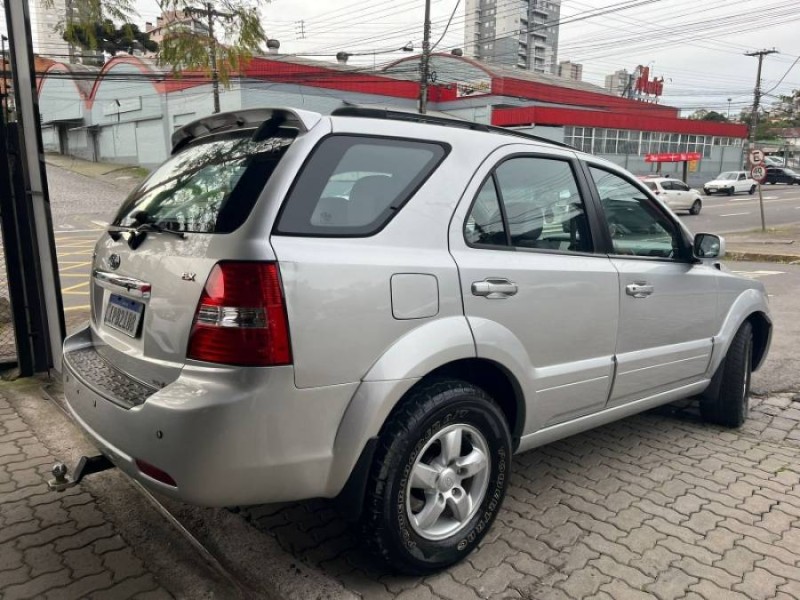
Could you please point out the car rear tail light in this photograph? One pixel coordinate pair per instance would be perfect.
(241, 317)
(155, 473)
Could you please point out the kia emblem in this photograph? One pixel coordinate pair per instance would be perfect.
(114, 261)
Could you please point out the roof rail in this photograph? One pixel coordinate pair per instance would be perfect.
(399, 114)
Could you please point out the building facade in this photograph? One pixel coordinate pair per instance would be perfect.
(570, 70)
(126, 111)
(50, 18)
(617, 82)
(517, 33)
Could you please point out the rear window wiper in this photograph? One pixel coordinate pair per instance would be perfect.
(138, 233)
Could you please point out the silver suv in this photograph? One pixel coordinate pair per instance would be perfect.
(383, 307)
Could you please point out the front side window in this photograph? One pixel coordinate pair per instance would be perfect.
(542, 208)
(353, 185)
(636, 225)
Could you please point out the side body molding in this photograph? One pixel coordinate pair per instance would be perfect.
(422, 350)
(748, 302)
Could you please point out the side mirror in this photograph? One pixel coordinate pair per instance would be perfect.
(708, 245)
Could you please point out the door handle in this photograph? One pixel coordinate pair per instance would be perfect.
(639, 290)
(494, 288)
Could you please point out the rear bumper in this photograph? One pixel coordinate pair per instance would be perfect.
(226, 435)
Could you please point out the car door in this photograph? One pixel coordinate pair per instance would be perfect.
(667, 303)
(741, 183)
(681, 191)
(670, 195)
(537, 297)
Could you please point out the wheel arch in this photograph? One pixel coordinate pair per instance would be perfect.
(762, 336)
(497, 381)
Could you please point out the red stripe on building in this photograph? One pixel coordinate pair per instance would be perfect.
(277, 71)
(543, 115)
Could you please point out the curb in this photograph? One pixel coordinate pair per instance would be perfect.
(744, 256)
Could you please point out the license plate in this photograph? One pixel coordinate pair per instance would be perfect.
(712, 189)
(124, 314)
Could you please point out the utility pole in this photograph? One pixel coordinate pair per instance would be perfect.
(211, 14)
(756, 96)
(426, 58)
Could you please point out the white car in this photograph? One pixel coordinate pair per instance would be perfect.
(774, 161)
(675, 194)
(730, 183)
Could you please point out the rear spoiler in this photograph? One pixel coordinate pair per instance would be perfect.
(265, 120)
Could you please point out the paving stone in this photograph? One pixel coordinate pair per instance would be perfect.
(528, 565)
(699, 553)
(445, 586)
(642, 539)
(575, 558)
(563, 536)
(671, 584)
(495, 580)
(655, 561)
(43, 559)
(711, 591)
(37, 586)
(617, 571)
(618, 552)
(583, 582)
(759, 584)
(702, 571)
(738, 561)
(621, 590)
(13, 577)
(491, 555)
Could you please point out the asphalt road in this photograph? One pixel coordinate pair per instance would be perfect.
(726, 214)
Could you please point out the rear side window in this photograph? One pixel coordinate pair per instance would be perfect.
(652, 185)
(353, 185)
(209, 187)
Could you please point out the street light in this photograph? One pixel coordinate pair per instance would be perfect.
(729, 108)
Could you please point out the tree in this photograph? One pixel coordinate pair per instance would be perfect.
(109, 38)
(716, 117)
(229, 36)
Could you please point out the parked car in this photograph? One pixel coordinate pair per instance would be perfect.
(383, 307)
(730, 182)
(774, 161)
(782, 175)
(675, 194)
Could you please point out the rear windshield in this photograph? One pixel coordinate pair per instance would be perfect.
(353, 185)
(651, 184)
(209, 187)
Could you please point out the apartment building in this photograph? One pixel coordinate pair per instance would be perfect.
(514, 33)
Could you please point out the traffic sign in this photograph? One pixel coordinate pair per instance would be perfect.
(756, 156)
(759, 173)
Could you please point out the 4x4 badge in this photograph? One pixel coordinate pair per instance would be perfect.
(188, 276)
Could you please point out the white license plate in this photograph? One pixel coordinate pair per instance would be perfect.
(124, 314)
(712, 189)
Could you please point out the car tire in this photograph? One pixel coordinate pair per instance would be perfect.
(706, 192)
(422, 431)
(696, 207)
(752, 190)
(730, 191)
(726, 401)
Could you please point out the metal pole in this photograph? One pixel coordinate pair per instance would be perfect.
(213, 52)
(756, 99)
(426, 55)
(761, 207)
(44, 305)
(5, 81)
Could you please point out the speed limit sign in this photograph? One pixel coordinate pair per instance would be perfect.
(756, 156)
(759, 173)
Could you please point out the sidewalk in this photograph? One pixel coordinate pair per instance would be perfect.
(125, 176)
(779, 245)
(80, 543)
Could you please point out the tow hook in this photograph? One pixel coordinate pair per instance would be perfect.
(88, 465)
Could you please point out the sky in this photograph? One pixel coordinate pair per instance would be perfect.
(698, 46)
